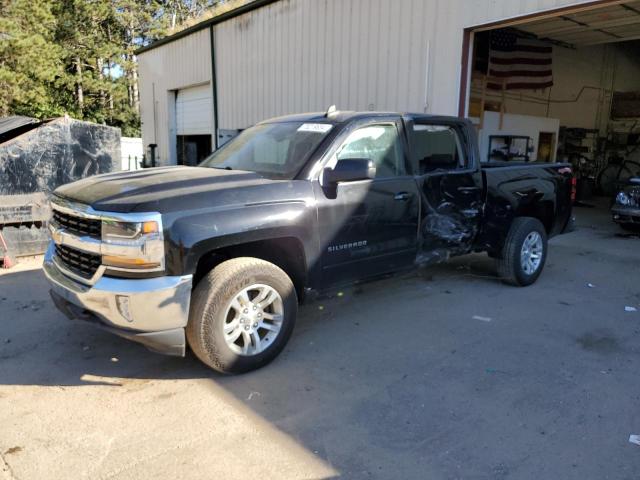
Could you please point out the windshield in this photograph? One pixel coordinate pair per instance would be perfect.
(274, 150)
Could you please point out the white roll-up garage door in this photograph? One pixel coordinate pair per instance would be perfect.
(194, 111)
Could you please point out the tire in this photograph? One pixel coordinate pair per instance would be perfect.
(212, 311)
(509, 263)
(630, 227)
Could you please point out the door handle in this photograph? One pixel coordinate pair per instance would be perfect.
(402, 196)
(532, 194)
(468, 189)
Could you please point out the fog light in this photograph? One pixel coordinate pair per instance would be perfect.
(623, 199)
(122, 301)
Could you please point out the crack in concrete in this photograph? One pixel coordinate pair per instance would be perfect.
(133, 464)
(106, 453)
(5, 468)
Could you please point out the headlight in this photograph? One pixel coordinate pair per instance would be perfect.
(118, 232)
(132, 246)
(623, 199)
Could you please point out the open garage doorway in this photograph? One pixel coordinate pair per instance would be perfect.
(561, 86)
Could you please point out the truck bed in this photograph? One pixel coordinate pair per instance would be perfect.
(504, 164)
(510, 192)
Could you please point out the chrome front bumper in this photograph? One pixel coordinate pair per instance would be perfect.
(152, 311)
(622, 214)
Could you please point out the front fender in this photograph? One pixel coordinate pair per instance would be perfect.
(192, 236)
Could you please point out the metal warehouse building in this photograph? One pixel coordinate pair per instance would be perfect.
(269, 58)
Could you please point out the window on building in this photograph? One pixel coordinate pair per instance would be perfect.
(436, 148)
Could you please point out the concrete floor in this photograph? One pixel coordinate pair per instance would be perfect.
(393, 380)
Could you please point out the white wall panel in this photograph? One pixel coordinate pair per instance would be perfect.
(578, 76)
(180, 64)
(304, 55)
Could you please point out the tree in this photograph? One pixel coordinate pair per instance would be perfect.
(81, 35)
(177, 12)
(78, 56)
(30, 60)
(98, 40)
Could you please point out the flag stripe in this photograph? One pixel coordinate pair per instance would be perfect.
(497, 54)
(521, 86)
(522, 48)
(528, 68)
(509, 81)
(520, 73)
(521, 61)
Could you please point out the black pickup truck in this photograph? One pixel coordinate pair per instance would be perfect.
(220, 255)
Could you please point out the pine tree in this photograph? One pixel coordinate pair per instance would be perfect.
(78, 56)
(30, 60)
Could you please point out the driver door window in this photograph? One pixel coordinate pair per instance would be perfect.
(378, 143)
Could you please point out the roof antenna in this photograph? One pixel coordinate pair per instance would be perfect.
(331, 111)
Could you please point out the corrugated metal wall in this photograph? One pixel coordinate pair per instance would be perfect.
(180, 64)
(304, 55)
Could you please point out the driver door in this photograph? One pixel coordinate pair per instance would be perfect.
(369, 227)
(450, 184)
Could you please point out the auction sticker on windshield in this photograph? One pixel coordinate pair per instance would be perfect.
(315, 127)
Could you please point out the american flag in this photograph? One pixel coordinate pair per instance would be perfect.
(521, 63)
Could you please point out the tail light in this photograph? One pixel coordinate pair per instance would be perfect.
(574, 182)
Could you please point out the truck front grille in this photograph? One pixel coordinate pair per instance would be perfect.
(78, 225)
(81, 263)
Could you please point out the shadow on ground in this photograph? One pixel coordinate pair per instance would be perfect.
(443, 374)
(34, 333)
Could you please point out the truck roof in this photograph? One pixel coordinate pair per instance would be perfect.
(339, 117)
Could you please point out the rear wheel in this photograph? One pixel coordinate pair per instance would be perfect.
(524, 253)
(242, 315)
(631, 227)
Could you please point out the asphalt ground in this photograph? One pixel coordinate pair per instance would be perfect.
(443, 374)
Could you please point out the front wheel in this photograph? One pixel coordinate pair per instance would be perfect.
(242, 315)
(524, 253)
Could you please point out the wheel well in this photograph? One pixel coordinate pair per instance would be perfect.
(286, 252)
(542, 211)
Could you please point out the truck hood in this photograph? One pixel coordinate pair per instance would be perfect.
(161, 189)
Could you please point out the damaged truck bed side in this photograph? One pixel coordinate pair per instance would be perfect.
(220, 255)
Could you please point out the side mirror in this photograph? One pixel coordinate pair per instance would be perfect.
(349, 170)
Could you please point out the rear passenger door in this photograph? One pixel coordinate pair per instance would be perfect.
(450, 185)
